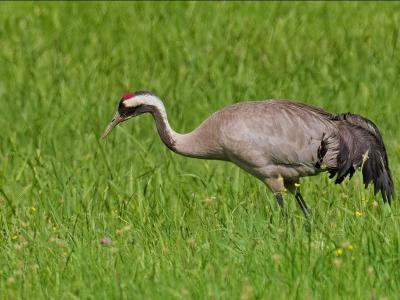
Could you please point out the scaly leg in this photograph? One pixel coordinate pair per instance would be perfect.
(303, 205)
(280, 201)
(276, 186)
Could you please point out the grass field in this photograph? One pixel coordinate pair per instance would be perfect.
(174, 227)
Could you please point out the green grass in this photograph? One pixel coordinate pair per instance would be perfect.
(184, 228)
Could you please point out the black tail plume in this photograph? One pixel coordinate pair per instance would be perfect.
(361, 145)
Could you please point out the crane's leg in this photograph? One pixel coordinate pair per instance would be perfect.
(280, 201)
(291, 186)
(303, 205)
(277, 187)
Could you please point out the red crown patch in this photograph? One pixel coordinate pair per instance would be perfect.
(128, 95)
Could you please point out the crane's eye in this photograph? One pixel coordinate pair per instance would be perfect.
(126, 111)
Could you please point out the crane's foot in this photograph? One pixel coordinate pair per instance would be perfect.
(303, 205)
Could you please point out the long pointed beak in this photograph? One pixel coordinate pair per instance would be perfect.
(114, 122)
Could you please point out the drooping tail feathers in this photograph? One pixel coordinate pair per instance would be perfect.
(361, 145)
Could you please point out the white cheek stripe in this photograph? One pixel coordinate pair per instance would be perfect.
(144, 99)
(131, 102)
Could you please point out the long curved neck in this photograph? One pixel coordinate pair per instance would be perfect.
(194, 144)
(167, 134)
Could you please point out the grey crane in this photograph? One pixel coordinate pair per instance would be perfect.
(277, 141)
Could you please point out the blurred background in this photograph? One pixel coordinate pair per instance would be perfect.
(180, 227)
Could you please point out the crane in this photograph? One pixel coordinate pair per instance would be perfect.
(277, 141)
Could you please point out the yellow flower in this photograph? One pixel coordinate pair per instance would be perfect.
(14, 237)
(347, 245)
(297, 184)
(339, 251)
(358, 213)
(33, 210)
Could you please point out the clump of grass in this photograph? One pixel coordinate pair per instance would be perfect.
(83, 218)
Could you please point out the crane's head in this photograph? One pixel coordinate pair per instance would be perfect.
(132, 105)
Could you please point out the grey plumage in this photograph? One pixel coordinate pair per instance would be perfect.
(277, 141)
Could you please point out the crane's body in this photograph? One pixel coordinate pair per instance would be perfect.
(277, 141)
(260, 137)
